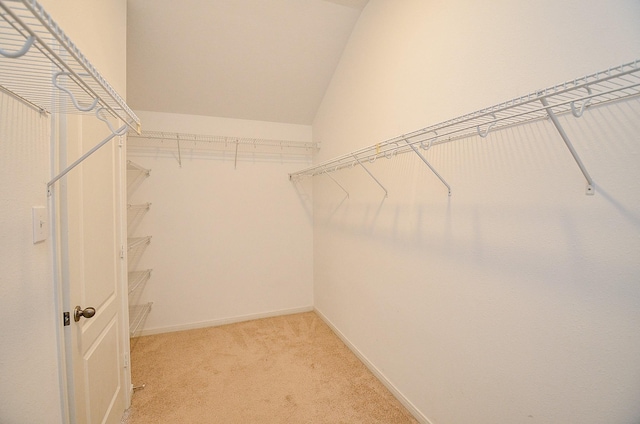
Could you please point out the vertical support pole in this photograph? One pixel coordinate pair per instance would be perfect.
(590, 186)
(415, 149)
(386, 194)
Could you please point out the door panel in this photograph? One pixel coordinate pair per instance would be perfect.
(101, 363)
(91, 262)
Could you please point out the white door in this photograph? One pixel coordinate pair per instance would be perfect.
(90, 240)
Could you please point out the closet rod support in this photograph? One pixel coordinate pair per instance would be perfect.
(590, 186)
(23, 50)
(83, 157)
(386, 193)
(415, 149)
(100, 116)
(78, 106)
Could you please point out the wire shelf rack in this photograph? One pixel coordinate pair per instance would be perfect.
(135, 213)
(136, 279)
(135, 242)
(40, 65)
(222, 141)
(216, 145)
(573, 97)
(137, 316)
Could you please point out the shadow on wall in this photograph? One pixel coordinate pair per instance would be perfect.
(303, 189)
(518, 201)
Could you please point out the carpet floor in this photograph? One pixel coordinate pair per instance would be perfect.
(287, 369)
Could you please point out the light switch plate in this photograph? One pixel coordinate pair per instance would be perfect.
(40, 224)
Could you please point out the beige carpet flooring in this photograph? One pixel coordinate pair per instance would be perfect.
(287, 369)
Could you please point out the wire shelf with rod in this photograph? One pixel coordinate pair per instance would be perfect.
(575, 96)
(40, 65)
(232, 147)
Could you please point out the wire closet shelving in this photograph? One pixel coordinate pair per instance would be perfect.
(42, 67)
(138, 314)
(573, 97)
(220, 144)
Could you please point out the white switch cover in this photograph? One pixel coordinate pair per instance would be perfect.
(40, 224)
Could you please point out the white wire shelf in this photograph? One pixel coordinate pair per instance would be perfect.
(574, 97)
(234, 147)
(222, 141)
(138, 208)
(137, 316)
(134, 242)
(132, 166)
(137, 279)
(135, 213)
(36, 56)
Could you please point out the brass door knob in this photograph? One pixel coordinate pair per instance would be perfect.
(78, 312)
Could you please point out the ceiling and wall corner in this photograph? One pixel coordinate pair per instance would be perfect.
(243, 59)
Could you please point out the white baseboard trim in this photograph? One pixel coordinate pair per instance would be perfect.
(224, 321)
(403, 400)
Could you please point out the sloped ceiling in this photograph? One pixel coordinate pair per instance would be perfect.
(267, 60)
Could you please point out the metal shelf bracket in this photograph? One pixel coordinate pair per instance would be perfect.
(485, 133)
(578, 113)
(415, 149)
(386, 193)
(335, 181)
(179, 151)
(119, 132)
(590, 190)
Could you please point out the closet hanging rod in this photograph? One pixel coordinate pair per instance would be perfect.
(33, 48)
(228, 140)
(599, 88)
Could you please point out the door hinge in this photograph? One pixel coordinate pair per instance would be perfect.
(66, 318)
(121, 252)
(126, 360)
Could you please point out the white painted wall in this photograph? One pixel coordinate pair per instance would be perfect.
(28, 356)
(516, 299)
(227, 243)
(29, 385)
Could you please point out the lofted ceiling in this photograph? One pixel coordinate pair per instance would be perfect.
(267, 60)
